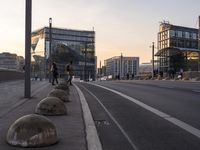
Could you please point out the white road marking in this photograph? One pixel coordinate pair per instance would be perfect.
(114, 120)
(163, 115)
(93, 141)
(197, 91)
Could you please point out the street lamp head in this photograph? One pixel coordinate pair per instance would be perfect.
(50, 20)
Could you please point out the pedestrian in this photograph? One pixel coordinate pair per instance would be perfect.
(54, 71)
(173, 73)
(66, 72)
(133, 76)
(127, 76)
(70, 70)
(181, 73)
(161, 74)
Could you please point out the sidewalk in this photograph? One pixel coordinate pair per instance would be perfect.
(70, 128)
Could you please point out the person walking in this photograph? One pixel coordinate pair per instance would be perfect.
(66, 72)
(54, 71)
(181, 73)
(70, 70)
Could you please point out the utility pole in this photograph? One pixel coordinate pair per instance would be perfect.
(100, 69)
(152, 60)
(199, 46)
(50, 47)
(27, 85)
(85, 61)
(121, 65)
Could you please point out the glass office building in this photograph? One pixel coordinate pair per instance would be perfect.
(66, 45)
(177, 48)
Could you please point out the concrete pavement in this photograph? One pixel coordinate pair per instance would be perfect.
(70, 128)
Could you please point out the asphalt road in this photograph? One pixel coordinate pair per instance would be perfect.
(145, 115)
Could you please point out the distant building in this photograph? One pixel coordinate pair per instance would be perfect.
(11, 61)
(101, 71)
(177, 48)
(20, 63)
(148, 67)
(120, 66)
(67, 45)
(145, 68)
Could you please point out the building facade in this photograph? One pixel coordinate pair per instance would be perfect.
(11, 61)
(177, 48)
(120, 66)
(66, 45)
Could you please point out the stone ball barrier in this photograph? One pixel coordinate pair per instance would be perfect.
(63, 87)
(62, 95)
(64, 83)
(32, 131)
(51, 106)
(197, 79)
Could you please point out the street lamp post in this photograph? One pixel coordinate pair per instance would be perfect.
(40, 73)
(27, 85)
(50, 47)
(199, 46)
(153, 60)
(121, 66)
(85, 62)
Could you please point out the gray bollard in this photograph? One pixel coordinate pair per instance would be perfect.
(32, 131)
(62, 95)
(51, 106)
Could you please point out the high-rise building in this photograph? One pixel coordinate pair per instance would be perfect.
(177, 48)
(120, 66)
(67, 45)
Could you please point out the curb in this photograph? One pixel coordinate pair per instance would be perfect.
(93, 142)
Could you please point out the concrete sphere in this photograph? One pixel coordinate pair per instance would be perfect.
(63, 82)
(63, 87)
(62, 95)
(51, 106)
(32, 131)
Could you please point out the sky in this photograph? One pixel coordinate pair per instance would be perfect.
(121, 26)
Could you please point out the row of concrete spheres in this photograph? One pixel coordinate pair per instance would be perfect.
(34, 130)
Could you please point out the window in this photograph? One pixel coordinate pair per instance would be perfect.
(187, 35)
(194, 36)
(180, 34)
(173, 42)
(166, 34)
(194, 44)
(187, 44)
(168, 43)
(172, 33)
(181, 43)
